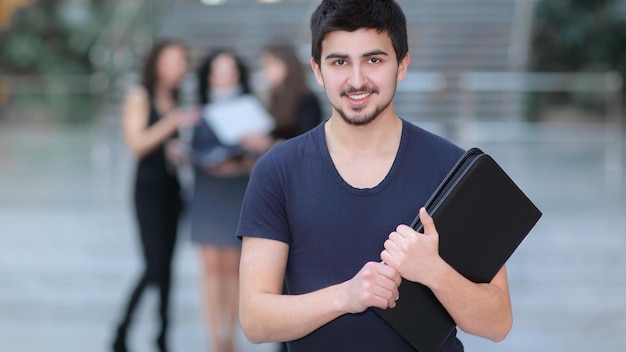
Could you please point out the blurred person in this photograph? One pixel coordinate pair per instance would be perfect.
(151, 119)
(217, 195)
(325, 211)
(291, 102)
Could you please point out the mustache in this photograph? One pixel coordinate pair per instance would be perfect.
(352, 90)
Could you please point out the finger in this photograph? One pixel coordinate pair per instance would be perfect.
(393, 303)
(385, 289)
(398, 280)
(393, 247)
(390, 261)
(384, 292)
(396, 237)
(386, 257)
(428, 222)
(381, 268)
(391, 244)
(396, 297)
(382, 303)
(406, 232)
(394, 277)
(403, 230)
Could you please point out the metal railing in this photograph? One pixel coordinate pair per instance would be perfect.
(609, 84)
(41, 97)
(129, 31)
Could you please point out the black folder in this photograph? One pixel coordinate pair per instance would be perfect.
(482, 217)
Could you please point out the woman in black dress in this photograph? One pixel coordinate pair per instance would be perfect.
(151, 119)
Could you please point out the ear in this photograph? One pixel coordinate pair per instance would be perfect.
(403, 67)
(318, 72)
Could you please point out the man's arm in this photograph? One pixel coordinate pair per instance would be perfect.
(267, 315)
(479, 309)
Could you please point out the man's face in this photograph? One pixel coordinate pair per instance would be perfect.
(359, 72)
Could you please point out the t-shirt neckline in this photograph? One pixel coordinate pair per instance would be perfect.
(334, 173)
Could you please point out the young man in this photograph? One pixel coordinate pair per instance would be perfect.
(325, 211)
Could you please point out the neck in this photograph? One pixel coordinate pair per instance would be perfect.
(161, 92)
(225, 93)
(381, 135)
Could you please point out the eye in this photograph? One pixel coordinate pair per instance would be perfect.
(339, 62)
(374, 60)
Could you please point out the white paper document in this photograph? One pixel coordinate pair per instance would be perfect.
(232, 119)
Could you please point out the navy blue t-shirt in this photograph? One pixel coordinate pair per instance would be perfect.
(297, 196)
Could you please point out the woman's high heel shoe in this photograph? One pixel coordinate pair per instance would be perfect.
(161, 344)
(119, 344)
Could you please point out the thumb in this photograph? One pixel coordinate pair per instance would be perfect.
(428, 222)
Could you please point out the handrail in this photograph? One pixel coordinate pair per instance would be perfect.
(419, 81)
(609, 83)
(520, 34)
(541, 82)
(70, 83)
(114, 31)
(125, 35)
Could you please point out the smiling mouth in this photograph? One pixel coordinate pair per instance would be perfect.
(358, 96)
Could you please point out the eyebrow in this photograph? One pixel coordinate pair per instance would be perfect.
(367, 54)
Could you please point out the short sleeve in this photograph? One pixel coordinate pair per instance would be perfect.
(263, 212)
(308, 114)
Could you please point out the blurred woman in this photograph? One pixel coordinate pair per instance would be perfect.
(151, 118)
(218, 192)
(293, 105)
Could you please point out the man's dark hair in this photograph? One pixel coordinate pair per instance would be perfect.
(351, 15)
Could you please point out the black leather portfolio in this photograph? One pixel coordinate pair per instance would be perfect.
(482, 217)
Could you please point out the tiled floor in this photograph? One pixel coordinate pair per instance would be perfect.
(68, 251)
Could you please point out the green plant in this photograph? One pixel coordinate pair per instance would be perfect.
(52, 38)
(577, 36)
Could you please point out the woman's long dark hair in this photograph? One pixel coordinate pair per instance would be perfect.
(204, 70)
(149, 76)
(284, 99)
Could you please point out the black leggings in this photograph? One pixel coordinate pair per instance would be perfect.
(157, 210)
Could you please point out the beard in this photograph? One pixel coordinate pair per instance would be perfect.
(358, 116)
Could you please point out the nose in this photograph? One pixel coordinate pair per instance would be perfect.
(358, 78)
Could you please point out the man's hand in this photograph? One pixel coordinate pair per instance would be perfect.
(375, 285)
(414, 255)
